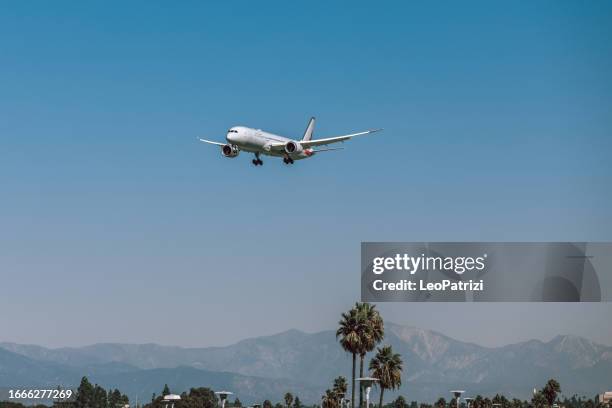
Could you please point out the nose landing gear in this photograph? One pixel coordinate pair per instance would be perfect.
(288, 160)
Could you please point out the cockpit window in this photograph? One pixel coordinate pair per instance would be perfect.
(232, 131)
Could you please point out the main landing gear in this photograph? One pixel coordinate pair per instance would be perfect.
(257, 161)
(288, 160)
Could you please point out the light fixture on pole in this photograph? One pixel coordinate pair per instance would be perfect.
(170, 399)
(223, 396)
(457, 394)
(367, 382)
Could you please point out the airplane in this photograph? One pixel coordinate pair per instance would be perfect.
(258, 142)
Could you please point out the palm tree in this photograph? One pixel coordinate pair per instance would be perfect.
(329, 399)
(348, 334)
(538, 400)
(371, 332)
(441, 403)
(288, 399)
(340, 387)
(387, 367)
(550, 391)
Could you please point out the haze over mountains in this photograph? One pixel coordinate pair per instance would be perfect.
(305, 364)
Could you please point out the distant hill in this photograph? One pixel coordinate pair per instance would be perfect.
(266, 367)
(249, 389)
(18, 371)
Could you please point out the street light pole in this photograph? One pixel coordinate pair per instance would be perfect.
(223, 396)
(457, 394)
(366, 382)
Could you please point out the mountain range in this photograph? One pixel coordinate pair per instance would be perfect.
(305, 364)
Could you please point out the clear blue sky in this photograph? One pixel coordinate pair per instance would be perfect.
(114, 220)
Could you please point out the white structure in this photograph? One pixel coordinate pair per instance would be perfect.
(467, 401)
(366, 382)
(223, 396)
(606, 397)
(170, 399)
(457, 394)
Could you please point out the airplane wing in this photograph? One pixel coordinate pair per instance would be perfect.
(329, 140)
(320, 142)
(211, 142)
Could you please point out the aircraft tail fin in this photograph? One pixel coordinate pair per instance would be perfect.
(309, 130)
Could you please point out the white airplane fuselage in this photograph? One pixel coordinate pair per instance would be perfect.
(258, 141)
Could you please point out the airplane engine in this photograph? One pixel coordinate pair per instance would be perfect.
(229, 150)
(293, 147)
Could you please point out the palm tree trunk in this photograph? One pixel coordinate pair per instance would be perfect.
(361, 358)
(382, 391)
(353, 387)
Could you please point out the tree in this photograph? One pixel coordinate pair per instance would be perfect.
(350, 340)
(84, 394)
(200, 397)
(516, 403)
(500, 399)
(297, 403)
(166, 390)
(550, 391)
(267, 404)
(371, 332)
(387, 367)
(288, 399)
(7, 404)
(400, 402)
(329, 399)
(99, 398)
(441, 403)
(340, 387)
(538, 400)
(237, 403)
(117, 399)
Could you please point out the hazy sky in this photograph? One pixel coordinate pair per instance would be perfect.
(115, 221)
